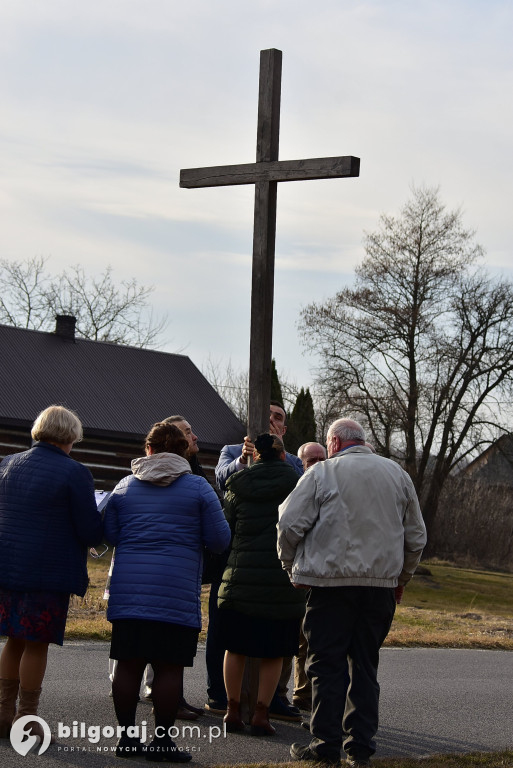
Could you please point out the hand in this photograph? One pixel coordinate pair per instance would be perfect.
(399, 594)
(248, 449)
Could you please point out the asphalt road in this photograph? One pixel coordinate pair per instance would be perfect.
(432, 701)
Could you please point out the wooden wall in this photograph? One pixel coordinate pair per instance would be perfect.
(107, 460)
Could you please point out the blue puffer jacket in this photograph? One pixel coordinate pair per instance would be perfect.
(159, 519)
(48, 518)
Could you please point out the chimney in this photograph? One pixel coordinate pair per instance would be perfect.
(65, 326)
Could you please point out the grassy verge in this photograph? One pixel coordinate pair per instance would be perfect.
(449, 607)
(444, 607)
(86, 617)
(473, 760)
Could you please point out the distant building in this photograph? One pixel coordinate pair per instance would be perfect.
(495, 465)
(117, 391)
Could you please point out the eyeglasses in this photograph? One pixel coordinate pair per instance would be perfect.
(94, 553)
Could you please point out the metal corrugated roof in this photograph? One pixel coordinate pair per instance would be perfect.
(115, 390)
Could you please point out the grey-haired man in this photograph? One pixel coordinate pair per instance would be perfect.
(352, 532)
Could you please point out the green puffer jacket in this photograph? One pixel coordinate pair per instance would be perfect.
(253, 580)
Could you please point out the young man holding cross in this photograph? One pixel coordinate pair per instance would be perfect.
(233, 458)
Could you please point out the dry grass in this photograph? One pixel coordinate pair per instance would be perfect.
(440, 629)
(473, 760)
(450, 607)
(86, 617)
(445, 607)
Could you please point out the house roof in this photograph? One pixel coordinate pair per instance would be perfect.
(117, 391)
(495, 464)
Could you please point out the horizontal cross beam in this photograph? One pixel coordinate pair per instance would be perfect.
(277, 170)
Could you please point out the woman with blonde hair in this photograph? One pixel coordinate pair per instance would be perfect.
(48, 519)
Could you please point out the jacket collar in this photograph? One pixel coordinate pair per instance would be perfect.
(352, 449)
(160, 468)
(49, 447)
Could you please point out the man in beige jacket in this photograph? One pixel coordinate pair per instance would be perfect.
(352, 533)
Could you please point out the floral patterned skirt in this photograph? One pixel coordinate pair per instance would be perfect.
(37, 616)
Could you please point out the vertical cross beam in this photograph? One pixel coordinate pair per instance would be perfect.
(265, 174)
(264, 236)
(262, 286)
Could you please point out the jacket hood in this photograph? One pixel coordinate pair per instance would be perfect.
(160, 468)
(263, 481)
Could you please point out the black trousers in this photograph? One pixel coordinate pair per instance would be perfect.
(345, 628)
(214, 650)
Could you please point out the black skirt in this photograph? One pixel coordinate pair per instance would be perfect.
(258, 637)
(153, 641)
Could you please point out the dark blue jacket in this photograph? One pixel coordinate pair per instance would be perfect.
(48, 519)
(159, 533)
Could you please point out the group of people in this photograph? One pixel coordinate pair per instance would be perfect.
(309, 559)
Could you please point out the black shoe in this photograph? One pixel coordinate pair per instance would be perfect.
(216, 707)
(304, 704)
(303, 752)
(166, 751)
(197, 710)
(280, 709)
(183, 713)
(128, 746)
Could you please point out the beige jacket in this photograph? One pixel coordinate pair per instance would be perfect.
(160, 468)
(353, 520)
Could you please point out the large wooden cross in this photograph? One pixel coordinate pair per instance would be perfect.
(265, 174)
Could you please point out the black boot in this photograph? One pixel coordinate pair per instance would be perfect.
(129, 746)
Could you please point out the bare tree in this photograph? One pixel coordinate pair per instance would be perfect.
(329, 405)
(421, 348)
(23, 296)
(231, 383)
(290, 391)
(474, 523)
(105, 311)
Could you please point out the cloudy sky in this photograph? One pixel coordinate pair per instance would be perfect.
(102, 103)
